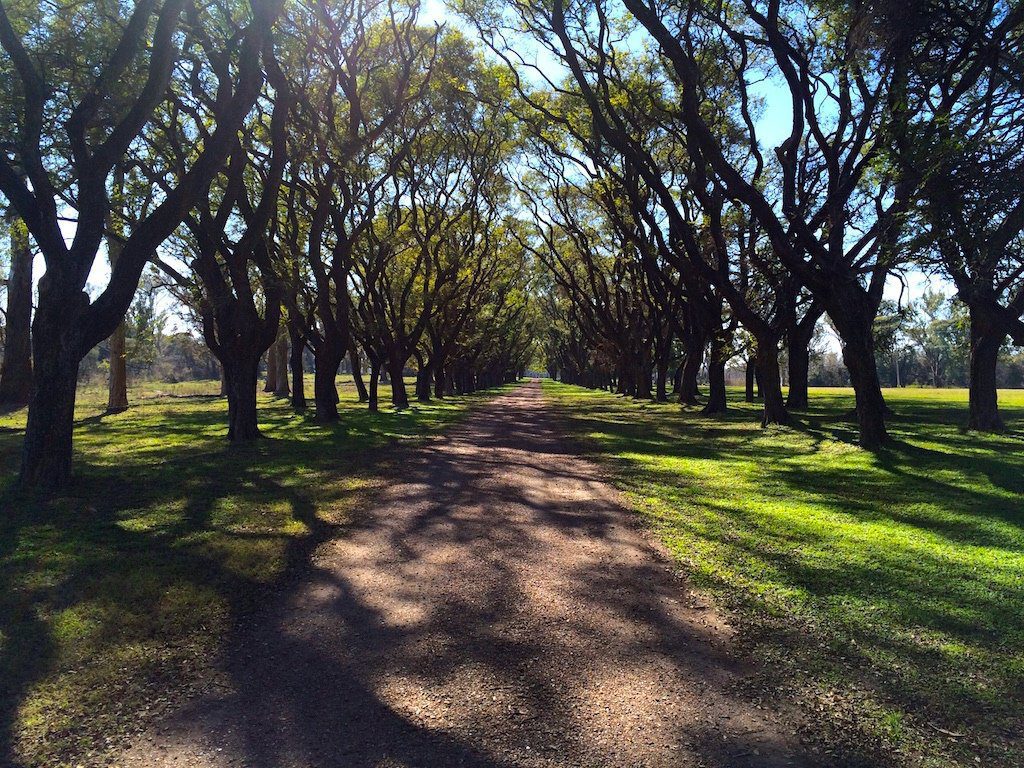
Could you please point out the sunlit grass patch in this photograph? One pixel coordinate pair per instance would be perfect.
(890, 586)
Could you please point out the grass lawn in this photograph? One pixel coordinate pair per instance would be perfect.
(886, 590)
(115, 597)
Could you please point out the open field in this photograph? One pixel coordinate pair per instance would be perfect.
(116, 596)
(888, 589)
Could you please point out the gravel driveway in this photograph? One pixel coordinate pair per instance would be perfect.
(498, 606)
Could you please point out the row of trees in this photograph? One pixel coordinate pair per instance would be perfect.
(338, 178)
(673, 234)
(326, 176)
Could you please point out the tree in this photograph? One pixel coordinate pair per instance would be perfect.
(963, 151)
(596, 265)
(801, 321)
(828, 210)
(117, 389)
(890, 331)
(436, 208)
(935, 331)
(357, 70)
(16, 369)
(718, 249)
(241, 279)
(76, 102)
(144, 327)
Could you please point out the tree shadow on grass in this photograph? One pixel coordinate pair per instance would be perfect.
(166, 535)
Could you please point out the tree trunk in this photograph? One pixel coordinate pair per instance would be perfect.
(799, 334)
(748, 380)
(325, 391)
(771, 386)
(984, 398)
(859, 357)
(643, 383)
(717, 401)
(423, 379)
(661, 382)
(423, 386)
(799, 371)
(56, 354)
(46, 452)
(280, 351)
(223, 382)
(399, 397)
(357, 374)
(117, 391)
(117, 388)
(241, 374)
(374, 378)
(440, 383)
(271, 381)
(296, 365)
(688, 381)
(16, 369)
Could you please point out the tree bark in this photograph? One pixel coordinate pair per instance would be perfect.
(280, 352)
(423, 385)
(661, 382)
(16, 369)
(717, 401)
(688, 389)
(241, 374)
(46, 452)
(56, 352)
(644, 369)
(117, 381)
(986, 341)
(117, 391)
(271, 381)
(799, 335)
(399, 396)
(357, 373)
(859, 357)
(328, 359)
(296, 365)
(440, 380)
(799, 371)
(423, 379)
(374, 379)
(771, 386)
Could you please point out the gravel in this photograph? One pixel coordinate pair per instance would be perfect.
(499, 605)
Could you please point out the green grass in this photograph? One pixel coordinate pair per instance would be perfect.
(116, 596)
(885, 591)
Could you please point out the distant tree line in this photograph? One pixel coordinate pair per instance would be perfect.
(922, 343)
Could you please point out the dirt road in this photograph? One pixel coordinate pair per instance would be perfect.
(498, 606)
